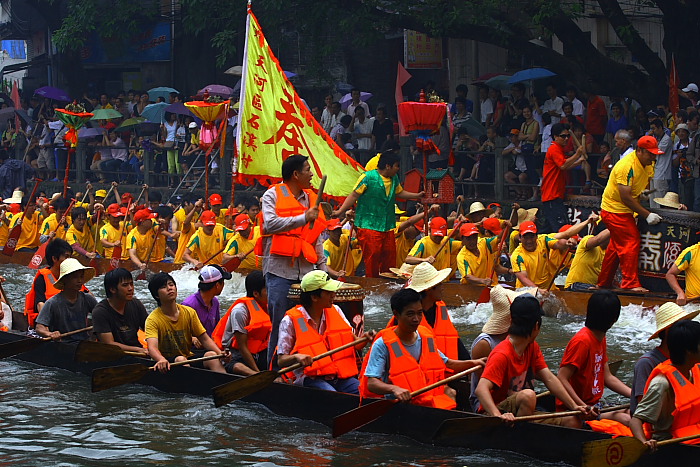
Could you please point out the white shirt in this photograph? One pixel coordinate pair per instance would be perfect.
(578, 106)
(627, 151)
(554, 104)
(364, 128)
(546, 138)
(486, 109)
(351, 109)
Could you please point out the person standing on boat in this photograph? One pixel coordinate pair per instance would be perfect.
(689, 263)
(426, 249)
(209, 240)
(672, 392)
(315, 327)
(245, 328)
(584, 370)
(117, 319)
(69, 309)
(628, 179)
(171, 327)
(376, 192)
(585, 267)
(667, 314)
(504, 389)
(291, 246)
(204, 301)
(404, 358)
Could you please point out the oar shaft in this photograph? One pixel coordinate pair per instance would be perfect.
(530, 418)
(87, 192)
(136, 203)
(445, 381)
(69, 333)
(321, 187)
(678, 440)
(296, 366)
(194, 360)
(446, 241)
(561, 265)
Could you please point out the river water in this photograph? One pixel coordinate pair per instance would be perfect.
(50, 417)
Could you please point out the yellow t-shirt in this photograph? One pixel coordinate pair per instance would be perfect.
(221, 218)
(174, 337)
(629, 172)
(240, 244)
(110, 234)
(403, 245)
(185, 234)
(513, 241)
(336, 254)
(204, 246)
(84, 237)
(586, 264)
(50, 224)
(141, 242)
(535, 263)
(688, 261)
(469, 263)
(362, 187)
(5, 228)
(29, 236)
(446, 259)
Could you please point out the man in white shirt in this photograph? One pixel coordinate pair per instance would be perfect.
(553, 105)
(486, 106)
(571, 97)
(356, 102)
(361, 129)
(623, 143)
(663, 168)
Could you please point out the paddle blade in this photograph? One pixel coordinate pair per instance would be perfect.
(90, 351)
(232, 264)
(11, 244)
(106, 378)
(361, 416)
(235, 390)
(96, 266)
(38, 257)
(463, 426)
(114, 263)
(15, 348)
(617, 452)
(484, 296)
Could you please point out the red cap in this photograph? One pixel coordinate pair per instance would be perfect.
(208, 218)
(493, 225)
(649, 143)
(438, 226)
(143, 215)
(566, 227)
(242, 222)
(215, 200)
(15, 208)
(334, 224)
(494, 206)
(126, 197)
(115, 210)
(528, 227)
(469, 229)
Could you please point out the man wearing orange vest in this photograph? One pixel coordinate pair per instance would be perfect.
(315, 327)
(409, 352)
(676, 380)
(291, 247)
(245, 328)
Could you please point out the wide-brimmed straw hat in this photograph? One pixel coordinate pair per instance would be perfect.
(70, 266)
(501, 298)
(525, 215)
(477, 208)
(669, 313)
(406, 270)
(425, 277)
(16, 198)
(670, 200)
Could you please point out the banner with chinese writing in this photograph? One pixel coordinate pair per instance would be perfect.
(421, 50)
(274, 123)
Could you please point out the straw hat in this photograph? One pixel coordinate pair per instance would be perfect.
(501, 298)
(670, 200)
(16, 197)
(669, 313)
(425, 276)
(525, 215)
(70, 266)
(478, 208)
(405, 271)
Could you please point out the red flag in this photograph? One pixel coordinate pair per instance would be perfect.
(15, 98)
(673, 88)
(402, 76)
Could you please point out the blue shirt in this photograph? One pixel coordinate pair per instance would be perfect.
(378, 362)
(208, 316)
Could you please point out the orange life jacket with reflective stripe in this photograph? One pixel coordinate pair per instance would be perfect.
(299, 241)
(406, 372)
(259, 327)
(686, 416)
(446, 335)
(29, 309)
(310, 342)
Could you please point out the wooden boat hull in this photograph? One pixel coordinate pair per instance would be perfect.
(546, 442)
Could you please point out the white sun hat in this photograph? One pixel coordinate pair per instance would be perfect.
(425, 276)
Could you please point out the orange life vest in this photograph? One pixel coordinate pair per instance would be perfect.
(29, 309)
(686, 416)
(259, 328)
(406, 372)
(299, 241)
(310, 342)
(446, 335)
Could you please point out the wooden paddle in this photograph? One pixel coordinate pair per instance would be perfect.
(136, 203)
(346, 255)
(16, 231)
(238, 389)
(361, 416)
(446, 241)
(142, 276)
(210, 258)
(485, 295)
(115, 261)
(233, 264)
(40, 254)
(614, 368)
(621, 451)
(464, 426)
(91, 351)
(93, 262)
(561, 265)
(321, 187)
(110, 377)
(25, 345)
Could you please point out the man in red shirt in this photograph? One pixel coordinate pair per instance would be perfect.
(554, 177)
(596, 117)
(505, 389)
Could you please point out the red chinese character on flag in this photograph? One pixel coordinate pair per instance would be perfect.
(249, 140)
(261, 63)
(247, 159)
(260, 82)
(257, 102)
(253, 121)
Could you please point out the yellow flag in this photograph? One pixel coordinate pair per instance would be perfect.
(274, 123)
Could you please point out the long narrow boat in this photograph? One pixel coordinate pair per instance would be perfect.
(545, 442)
(455, 294)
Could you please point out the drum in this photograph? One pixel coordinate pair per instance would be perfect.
(349, 298)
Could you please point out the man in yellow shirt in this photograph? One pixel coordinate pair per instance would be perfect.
(79, 235)
(111, 234)
(687, 261)
(184, 222)
(242, 242)
(51, 222)
(209, 241)
(30, 223)
(584, 270)
(628, 179)
(334, 249)
(426, 249)
(142, 238)
(216, 205)
(476, 259)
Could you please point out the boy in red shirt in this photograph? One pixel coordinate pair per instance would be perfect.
(505, 388)
(584, 370)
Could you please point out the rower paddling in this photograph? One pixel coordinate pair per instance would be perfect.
(208, 243)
